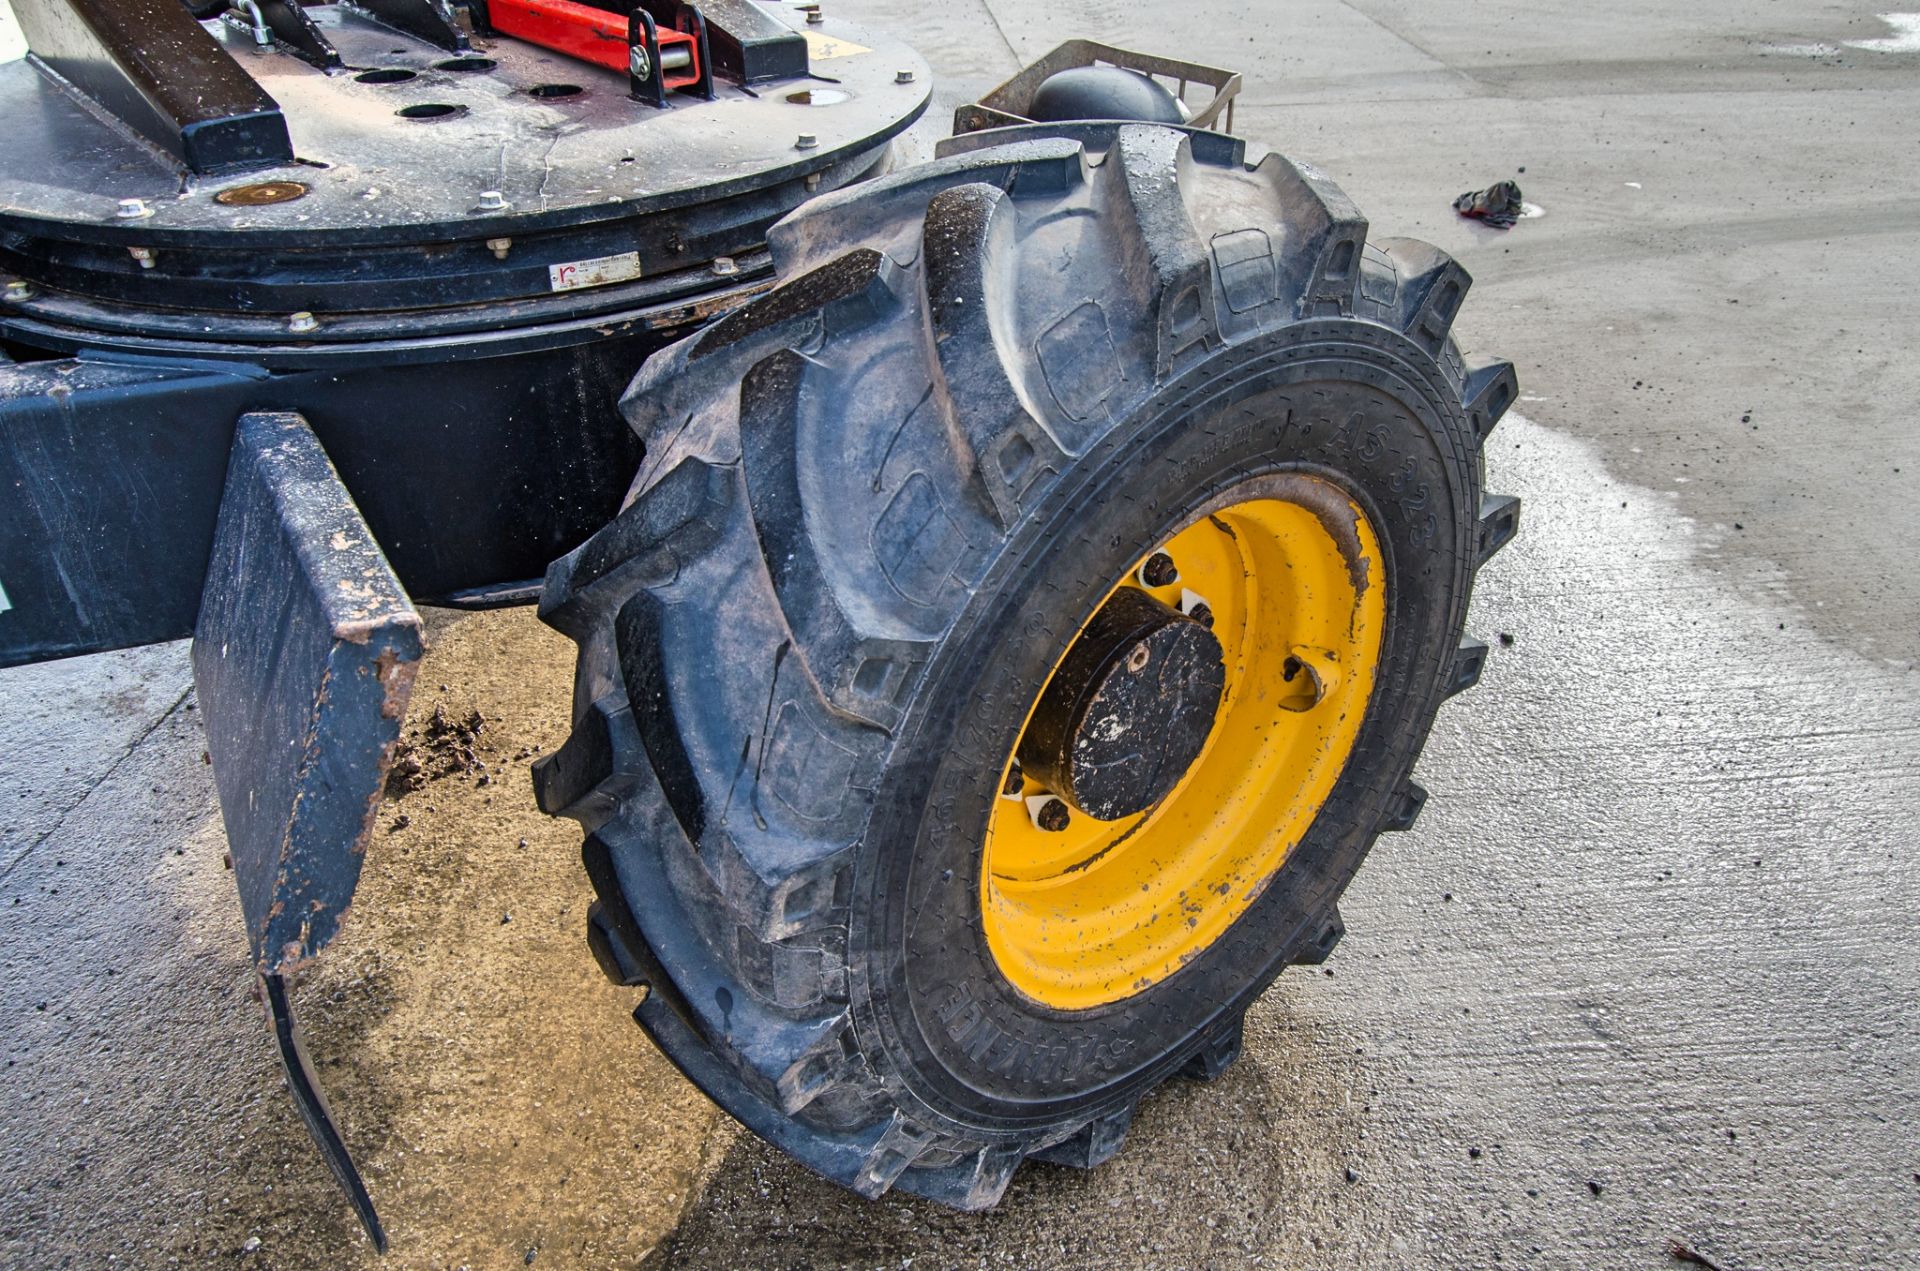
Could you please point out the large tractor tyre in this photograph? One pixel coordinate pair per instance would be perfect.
(1024, 620)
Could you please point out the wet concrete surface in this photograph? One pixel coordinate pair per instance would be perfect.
(1643, 972)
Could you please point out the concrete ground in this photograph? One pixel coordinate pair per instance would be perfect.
(1644, 972)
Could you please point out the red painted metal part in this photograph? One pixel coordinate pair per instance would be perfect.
(590, 34)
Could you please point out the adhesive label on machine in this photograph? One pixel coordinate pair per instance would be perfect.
(597, 272)
(821, 48)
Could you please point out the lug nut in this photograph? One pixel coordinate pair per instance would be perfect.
(903, 77)
(1049, 813)
(302, 322)
(1195, 606)
(725, 267)
(18, 292)
(806, 141)
(1158, 570)
(1014, 783)
(133, 209)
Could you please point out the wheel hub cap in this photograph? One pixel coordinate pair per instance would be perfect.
(1128, 710)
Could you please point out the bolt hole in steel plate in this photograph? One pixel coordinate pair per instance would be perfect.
(550, 91)
(386, 75)
(817, 97)
(430, 111)
(261, 193)
(1101, 910)
(466, 65)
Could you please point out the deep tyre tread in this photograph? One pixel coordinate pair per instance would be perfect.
(795, 636)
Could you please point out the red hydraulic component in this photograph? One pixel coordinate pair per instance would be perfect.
(594, 35)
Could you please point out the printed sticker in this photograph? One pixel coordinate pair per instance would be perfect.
(597, 272)
(822, 48)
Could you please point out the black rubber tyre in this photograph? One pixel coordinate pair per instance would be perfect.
(876, 503)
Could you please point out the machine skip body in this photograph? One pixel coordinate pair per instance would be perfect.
(1012, 590)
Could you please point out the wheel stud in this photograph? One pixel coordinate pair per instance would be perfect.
(1049, 813)
(1158, 570)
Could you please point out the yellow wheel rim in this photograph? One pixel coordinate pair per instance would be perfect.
(1096, 912)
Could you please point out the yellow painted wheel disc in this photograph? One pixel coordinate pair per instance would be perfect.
(1088, 915)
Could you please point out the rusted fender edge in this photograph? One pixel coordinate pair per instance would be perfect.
(303, 660)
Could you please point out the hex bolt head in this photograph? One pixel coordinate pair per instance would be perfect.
(814, 16)
(806, 141)
(499, 247)
(1015, 782)
(903, 77)
(1158, 570)
(1049, 812)
(142, 254)
(18, 291)
(725, 266)
(302, 322)
(133, 209)
(492, 201)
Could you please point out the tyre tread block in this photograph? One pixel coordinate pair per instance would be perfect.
(828, 225)
(1468, 663)
(1499, 522)
(1405, 809)
(1093, 1143)
(1332, 232)
(1491, 387)
(1173, 264)
(679, 516)
(852, 290)
(580, 780)
(1319, 948)
(1013, 457)
(1432, 288)
(973, 1183)
(1217, 1054)
(839, 656)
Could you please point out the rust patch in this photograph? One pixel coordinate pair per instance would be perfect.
(396, 683)
(711, 307)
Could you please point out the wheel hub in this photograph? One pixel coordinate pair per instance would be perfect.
(1128, 711)
(1184, 743)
